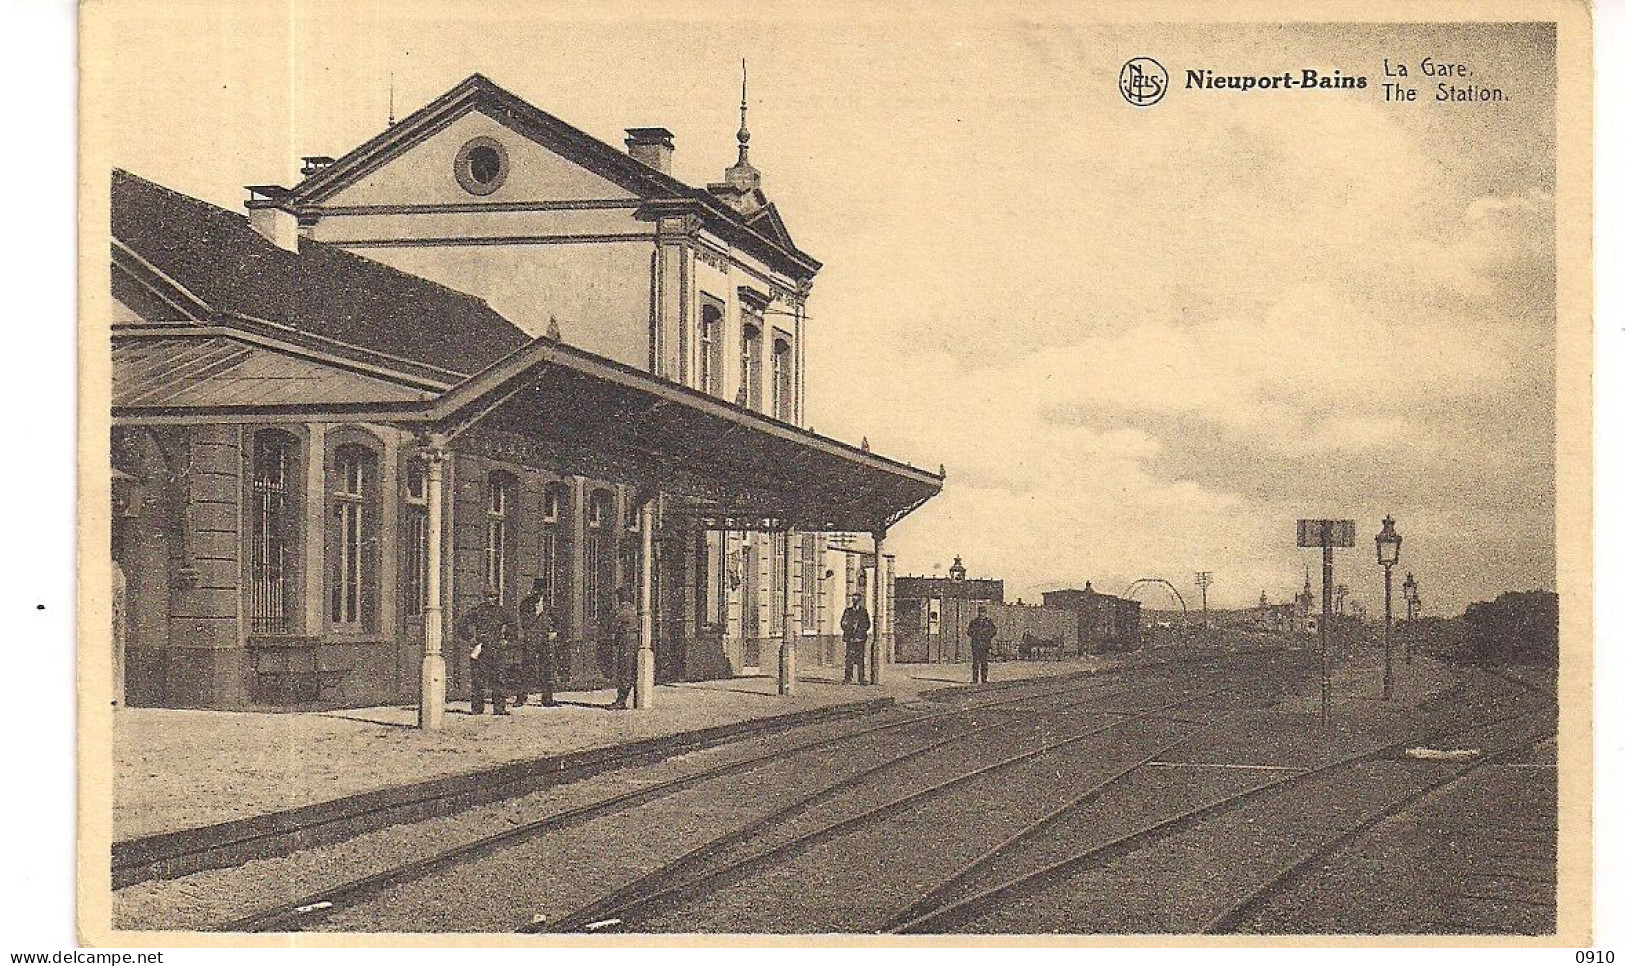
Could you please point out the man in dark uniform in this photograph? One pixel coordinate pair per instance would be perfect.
(981, 632)
(855, 632)
(536, 636)
(489, 628)
(625, 636)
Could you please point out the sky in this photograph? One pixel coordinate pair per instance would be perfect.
(1143, 341)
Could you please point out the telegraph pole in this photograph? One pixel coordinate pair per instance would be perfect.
(1203, 579)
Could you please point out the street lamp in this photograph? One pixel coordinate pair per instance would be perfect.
(1387, 555)
(1413, 607)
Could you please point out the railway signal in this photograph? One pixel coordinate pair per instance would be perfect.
(1328, 535)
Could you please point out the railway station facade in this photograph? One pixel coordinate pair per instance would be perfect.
(481, 349)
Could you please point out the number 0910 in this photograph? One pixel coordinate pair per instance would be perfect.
(1594, 956)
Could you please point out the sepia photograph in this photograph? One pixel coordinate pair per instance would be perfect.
(834, 473)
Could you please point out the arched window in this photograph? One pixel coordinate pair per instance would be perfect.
(783, 371)
(273, 524)
(500, 493)
(353, 538)
(631, 513)
(710, 348)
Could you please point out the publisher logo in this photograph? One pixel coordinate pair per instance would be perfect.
(1142, 82)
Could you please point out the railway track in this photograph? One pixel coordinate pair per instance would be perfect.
(730, 858)
(934, 912)
(1493, 824)
(311, 909)
(1239, 912)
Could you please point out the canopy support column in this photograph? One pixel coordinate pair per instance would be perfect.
(644, 692)
(787, 642)
(878, 589)
(432, 677)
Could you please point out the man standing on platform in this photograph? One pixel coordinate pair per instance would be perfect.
(981, 632)
(625, 636)
(489, 627)
(855, 631)
(536, 636)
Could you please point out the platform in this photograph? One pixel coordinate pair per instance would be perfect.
(185, 769)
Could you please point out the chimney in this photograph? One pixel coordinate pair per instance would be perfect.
(280, 228)
(277, 225)
(651, 145)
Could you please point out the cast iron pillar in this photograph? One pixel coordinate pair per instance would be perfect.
(643, 694)
(787, 643)
(432, 677)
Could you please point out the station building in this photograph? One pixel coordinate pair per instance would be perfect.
(482, 347)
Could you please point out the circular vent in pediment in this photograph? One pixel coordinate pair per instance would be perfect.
(482, 166)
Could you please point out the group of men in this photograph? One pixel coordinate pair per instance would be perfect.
(855, 625)
(508, 656)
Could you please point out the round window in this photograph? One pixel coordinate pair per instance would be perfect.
(482, 166)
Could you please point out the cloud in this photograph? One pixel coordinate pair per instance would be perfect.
(1196, 355)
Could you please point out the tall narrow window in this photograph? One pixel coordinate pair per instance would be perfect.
(415, 540)
(353, 571)
(271, 524)
(750, 366)
(498, 499)
(776, 578)
(811, 576)
(750, 600)
(724, 578)
(783, 394)
(705, 608)
(551, 565)
(631, 546)
(710, 347)
(598, 560)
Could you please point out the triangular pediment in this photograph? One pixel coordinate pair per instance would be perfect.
(532, 171)
(768, 222)
(549, 161)
(415, 161)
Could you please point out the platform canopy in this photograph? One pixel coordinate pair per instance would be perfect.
(582, 413)
(550, 405)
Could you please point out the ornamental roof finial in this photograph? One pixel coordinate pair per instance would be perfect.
(744, 132)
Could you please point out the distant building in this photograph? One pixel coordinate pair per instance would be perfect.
(955, 586)
(1105, 622)
(1308, 621)
(933, 616)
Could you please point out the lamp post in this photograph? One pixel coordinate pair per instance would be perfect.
(1387, 555)
(1412, 608)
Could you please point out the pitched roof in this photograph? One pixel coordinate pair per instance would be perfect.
(205, 368)
(479, 91)
(323, 291)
